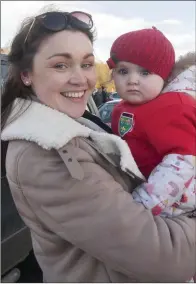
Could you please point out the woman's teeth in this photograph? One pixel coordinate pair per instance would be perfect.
(73, 94)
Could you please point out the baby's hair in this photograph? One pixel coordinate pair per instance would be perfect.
(114, 58)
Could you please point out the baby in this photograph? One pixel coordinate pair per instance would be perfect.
(157, 118)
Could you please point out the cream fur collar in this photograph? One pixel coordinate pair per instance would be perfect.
(184, 82)
(51, 129)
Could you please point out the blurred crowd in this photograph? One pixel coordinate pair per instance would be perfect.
(100, 96)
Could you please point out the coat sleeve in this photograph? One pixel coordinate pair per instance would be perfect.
(93, 212)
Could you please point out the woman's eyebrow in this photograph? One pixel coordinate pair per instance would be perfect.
(66, 55)
(69, 56)
(88, 55)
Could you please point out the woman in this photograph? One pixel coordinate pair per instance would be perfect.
(72, 184)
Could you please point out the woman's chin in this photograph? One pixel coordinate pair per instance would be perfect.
(73, 110)
(77, 113)
(75, 107)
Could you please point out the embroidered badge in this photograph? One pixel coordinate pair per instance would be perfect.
(126, 123)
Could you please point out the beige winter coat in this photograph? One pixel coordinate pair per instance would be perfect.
(72, 187)
(73, 194)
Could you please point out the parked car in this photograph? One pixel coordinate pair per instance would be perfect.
(106, 109)
(4, 69)
(16, 243)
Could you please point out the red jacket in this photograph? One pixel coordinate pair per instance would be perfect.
(162, 126)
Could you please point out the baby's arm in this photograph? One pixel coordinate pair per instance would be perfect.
(170, 182)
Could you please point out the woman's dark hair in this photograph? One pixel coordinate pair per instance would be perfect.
(21, 58)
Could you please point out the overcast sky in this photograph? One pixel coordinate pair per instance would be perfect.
(112, 18)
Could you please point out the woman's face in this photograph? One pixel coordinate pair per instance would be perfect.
(63, 74)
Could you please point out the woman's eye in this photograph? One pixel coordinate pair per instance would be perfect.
(87, 65)
(123, 71)
(61, 66)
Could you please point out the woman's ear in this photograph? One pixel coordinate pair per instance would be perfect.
(25, 77)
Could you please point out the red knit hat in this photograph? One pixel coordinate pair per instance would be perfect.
(148, 48)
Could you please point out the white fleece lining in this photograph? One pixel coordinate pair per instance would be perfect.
(183, 82)
(50, 128)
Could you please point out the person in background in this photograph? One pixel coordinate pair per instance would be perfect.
(100, 96)
(71, 182)
(104, 95)
(97, 96)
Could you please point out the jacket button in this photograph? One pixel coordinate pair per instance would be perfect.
(70, 160)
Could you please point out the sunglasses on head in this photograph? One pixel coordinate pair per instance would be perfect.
(57, 21)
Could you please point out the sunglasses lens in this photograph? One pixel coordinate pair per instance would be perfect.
(54, 21)
(83, 17)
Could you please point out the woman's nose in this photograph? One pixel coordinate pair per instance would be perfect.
(78, 77)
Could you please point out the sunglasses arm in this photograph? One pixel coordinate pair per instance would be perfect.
(30, 30)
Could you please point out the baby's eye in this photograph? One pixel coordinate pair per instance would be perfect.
(123, 71)
(145, 72)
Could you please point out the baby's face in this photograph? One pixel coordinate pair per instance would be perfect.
(136, 84)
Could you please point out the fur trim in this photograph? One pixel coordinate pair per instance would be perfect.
(40, 124)
(183, 77)
(184, 62)
(51, 129)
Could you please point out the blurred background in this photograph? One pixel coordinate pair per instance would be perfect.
(176, 19)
